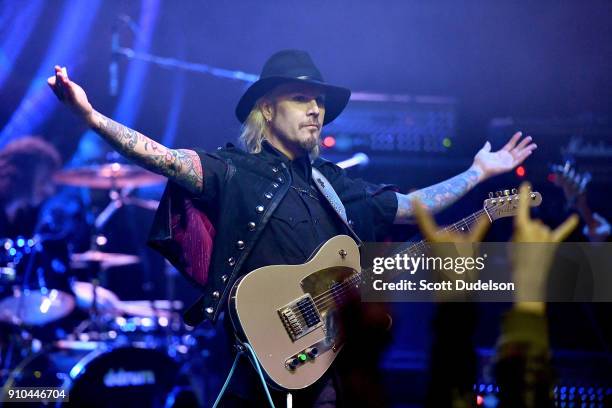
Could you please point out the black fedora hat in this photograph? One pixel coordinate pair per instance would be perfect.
(292, 66)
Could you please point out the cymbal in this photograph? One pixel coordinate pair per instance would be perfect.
(142, 309)
(159, 304)
(106, 259)
(108, 176)
(36, 307)
(107, 302)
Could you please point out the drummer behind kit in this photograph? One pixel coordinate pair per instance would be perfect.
(125, 353)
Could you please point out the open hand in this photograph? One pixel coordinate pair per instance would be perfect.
(505, 159)
(70, 93)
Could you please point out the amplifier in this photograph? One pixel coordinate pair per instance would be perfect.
(382, 124)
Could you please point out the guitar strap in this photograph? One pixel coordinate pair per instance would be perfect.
(331, 196)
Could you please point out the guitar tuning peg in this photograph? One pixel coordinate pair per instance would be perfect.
(498, 193)
(506, 192)
(491, 194)
(514, 191)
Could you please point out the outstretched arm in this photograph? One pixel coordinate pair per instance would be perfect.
(179, 165)
(438, 196)
(486, 164)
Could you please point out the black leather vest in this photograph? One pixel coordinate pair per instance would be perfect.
(251, 191)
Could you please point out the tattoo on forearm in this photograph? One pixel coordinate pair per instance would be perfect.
(179, 165)
(436, 197)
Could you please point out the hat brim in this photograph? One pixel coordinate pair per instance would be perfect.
(336, 97)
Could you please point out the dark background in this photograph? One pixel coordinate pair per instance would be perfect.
(549, 60)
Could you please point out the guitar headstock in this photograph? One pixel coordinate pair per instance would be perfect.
(573, 183)
(505, 203)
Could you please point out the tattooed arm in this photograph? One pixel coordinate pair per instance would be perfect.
(181, 166)
(486, 164)
(438, 196)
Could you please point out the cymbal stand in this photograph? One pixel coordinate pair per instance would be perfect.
(119, 197)
(94, 323)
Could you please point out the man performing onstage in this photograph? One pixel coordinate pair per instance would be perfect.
(262, 206)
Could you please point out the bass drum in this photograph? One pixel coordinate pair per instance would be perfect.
(118, 377)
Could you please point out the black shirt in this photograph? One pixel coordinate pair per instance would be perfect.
(303, 220)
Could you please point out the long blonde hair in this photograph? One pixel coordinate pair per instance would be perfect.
(254, 129)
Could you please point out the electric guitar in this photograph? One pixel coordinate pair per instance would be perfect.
(574, 185)
(288, 313)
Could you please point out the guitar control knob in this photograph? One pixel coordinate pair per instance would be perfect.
(498, 193)
(292, 363)
(506, 192)
(514, 191)
(312, 352)
(490, 194)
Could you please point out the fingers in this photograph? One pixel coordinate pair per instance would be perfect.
(512, 142)
(522, 150)
(519, 158)
(522, 215)
(480, 229)
(56, 86)
(425, 221)
(563, 230)
(523, 143)
(531, 147)
(62, 74)
(59, 82)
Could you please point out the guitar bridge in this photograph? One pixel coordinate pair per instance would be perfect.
(300, 317)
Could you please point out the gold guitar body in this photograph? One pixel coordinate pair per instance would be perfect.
(287, 313)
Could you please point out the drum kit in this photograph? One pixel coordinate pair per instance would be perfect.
(117, 352)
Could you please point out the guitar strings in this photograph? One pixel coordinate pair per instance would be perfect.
(325, 298)
(412, 248)
(332, 296)
(472, 218)
(337, 300)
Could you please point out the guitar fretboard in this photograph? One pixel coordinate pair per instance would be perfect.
(335, 298)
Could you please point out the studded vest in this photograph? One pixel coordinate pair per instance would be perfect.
(252, 190)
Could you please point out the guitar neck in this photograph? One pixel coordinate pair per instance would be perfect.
(464, 225)
(503, 205)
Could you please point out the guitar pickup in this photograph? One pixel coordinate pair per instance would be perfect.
(300, 317)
